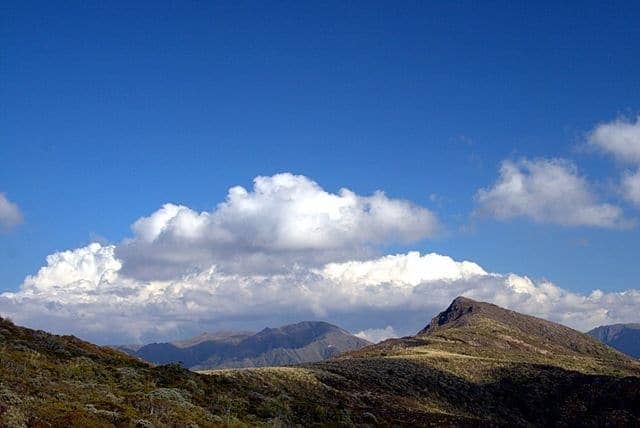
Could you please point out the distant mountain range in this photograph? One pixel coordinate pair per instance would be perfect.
(304, 342)
(623, 337)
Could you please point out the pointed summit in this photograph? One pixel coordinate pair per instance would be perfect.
(485, 325)
(460, 308)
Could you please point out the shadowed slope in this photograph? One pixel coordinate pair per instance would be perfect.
(304, 342)
(219, 336)
(623, 337)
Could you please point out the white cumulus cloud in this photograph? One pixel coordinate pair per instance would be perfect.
(408, 269)
(284, 217)
(547, 191)
(620, 138)
(10, 214)
(92, 265)
(287, 251)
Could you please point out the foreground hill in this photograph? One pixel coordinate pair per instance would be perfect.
(474, 365)
(304, 342)
(623, 337)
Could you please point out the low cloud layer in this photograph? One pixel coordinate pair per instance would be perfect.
(10, 214)
(288, 251)
(84, 292)
(547, 191)
(376, 335)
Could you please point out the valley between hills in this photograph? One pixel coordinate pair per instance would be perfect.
(474, 364)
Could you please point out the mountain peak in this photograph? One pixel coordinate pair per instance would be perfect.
(459, 308)
(487, 325)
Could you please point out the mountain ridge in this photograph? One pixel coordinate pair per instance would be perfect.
(623, 337)
(228, 336)
(548, 337)
(303, 342)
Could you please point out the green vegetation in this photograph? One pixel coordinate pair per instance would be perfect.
(481, 366)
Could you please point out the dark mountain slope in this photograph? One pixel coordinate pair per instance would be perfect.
(623, 337)
(303, 342)
(219, 336)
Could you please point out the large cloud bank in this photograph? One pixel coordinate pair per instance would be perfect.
(284, 219)
(83, 292)
(285, 251)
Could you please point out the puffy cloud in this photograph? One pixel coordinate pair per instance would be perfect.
(620, 138)
(85, 292)
(408, 269)
(288, 251)
(631, 187)
(10, 214)
(376, 335)
(93, 265)
(284, 219)
(547, 191)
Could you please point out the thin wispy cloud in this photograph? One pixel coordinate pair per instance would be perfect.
(10, 214)
(630, 187)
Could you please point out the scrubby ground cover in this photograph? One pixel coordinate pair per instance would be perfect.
(475, 365)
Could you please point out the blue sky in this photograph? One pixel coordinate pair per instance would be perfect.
(109, 113)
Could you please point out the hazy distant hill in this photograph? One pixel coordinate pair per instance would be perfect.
(475, 365)
(623, 337)
(304, 342)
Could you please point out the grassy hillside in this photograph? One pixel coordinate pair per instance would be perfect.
(480, 367)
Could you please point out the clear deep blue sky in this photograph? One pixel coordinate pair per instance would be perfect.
(108, 113)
